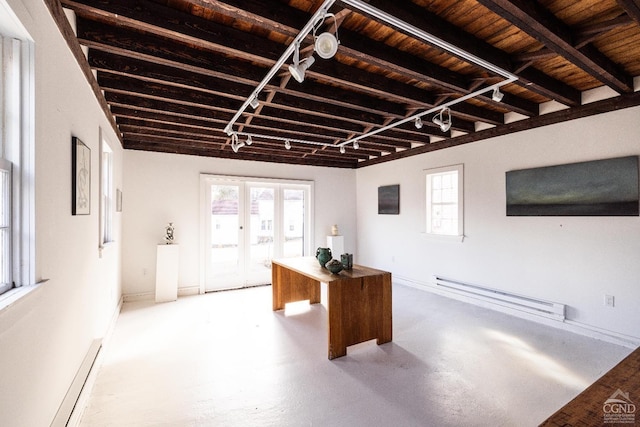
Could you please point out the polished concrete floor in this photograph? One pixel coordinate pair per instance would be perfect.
(226, 359)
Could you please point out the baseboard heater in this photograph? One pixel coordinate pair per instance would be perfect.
(539, 307)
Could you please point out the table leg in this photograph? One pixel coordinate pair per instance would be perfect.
(290, 286)
(359, 310)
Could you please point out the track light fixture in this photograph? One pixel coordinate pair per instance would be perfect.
(443, 119)
(254, 102)
(356, 145)
(342, 149)
(287, 144)
(326, 44)
(298, 68)
(235, 144)
(418, 123)
(497, 95)
(249, 140)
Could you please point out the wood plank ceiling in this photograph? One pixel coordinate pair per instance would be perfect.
(172, 73)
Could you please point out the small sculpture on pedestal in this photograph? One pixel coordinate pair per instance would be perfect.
(168, 235)
(334, 230)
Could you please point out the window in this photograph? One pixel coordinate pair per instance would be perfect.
(107, 206)
(5, 226)
(444, 201)
(17, 166)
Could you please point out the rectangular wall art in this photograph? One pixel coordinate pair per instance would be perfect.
(389, 200)
(596, 188)
(80, 178)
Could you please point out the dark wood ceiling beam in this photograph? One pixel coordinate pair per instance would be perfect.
(582, 35)
(590, 32)
(190, 30)
(432, 24)
(554, 34)
(632, 7)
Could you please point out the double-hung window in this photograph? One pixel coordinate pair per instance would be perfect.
(444, 201)
(17, 115)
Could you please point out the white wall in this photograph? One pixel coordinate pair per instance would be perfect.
(45, 336)
(571, 260)
(162, 188)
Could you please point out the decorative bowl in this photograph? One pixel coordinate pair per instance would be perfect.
(334, 266)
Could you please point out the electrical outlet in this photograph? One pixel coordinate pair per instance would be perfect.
(609, 300)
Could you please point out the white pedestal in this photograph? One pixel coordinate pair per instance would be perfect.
(167, 268)
(336, 244)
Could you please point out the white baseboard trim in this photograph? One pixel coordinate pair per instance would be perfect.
(140, 296)
(83, 398)
(188, 291)
(145, 296)
(567, 325)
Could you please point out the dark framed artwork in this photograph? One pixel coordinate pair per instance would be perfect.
(80, 178)
(606, 187)
(389, 200)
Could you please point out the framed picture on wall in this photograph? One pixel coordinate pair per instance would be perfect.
(80, 178)
(389, 200)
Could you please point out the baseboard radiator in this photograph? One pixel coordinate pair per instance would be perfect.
(530, 305)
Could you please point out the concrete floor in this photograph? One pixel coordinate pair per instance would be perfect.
(225, 359)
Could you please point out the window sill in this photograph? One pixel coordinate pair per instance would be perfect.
(11, 297)
(443, 237)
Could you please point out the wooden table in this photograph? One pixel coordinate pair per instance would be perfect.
(359, 300)
(590, 408)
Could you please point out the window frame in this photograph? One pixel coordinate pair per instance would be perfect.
(429, 175)
(107, 193)
(17, 146)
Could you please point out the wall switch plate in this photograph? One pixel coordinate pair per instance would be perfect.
(609, 300)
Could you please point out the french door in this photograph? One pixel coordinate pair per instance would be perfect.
(246, 222)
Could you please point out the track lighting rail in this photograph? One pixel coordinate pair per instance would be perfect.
(394, 22)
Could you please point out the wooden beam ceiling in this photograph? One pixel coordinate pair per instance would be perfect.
(170, 74)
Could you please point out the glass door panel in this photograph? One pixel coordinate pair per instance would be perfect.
(226, 244)
(262, 224)
(293, 222)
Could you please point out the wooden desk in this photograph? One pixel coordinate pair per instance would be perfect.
(589, 409)
(359, 300)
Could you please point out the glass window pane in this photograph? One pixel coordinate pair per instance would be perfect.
(294, 226)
